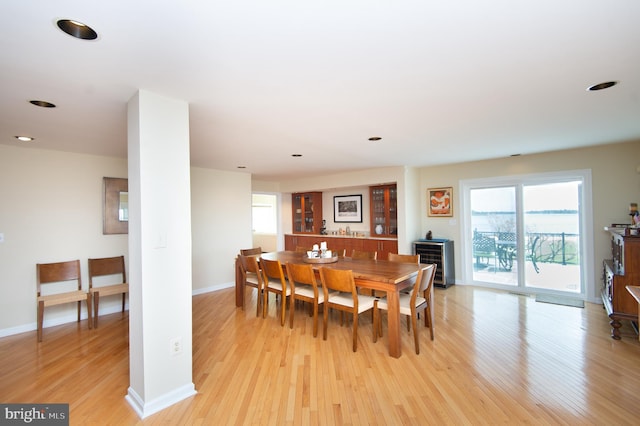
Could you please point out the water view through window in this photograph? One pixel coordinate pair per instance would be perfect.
(527, 235)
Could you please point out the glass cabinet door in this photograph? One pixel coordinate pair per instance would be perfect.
(384, 215)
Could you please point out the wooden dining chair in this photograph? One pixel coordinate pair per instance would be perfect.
(54, 274)
(304, 286)
(403, 258)
(359, 254)
(251, 251)
(113, 268)
(410, 304)
(252, 277)
(274, 282)
(345, 299)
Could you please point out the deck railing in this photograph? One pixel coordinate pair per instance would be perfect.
(501, 248)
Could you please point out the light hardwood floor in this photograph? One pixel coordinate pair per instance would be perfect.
(497, 358)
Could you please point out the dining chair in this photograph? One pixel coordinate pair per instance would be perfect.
(359, 254)
(54, 274)
(410, 304)
(403, 258)
(274, 282)
(113, 268)
(345, 299)
(252, 277)
(304, 286)
(251, 251)
(300, 249)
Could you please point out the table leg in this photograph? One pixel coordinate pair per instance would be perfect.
(395, 341)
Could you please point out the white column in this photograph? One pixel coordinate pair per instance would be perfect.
(160, 341)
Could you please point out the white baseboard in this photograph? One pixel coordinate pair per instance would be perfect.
(212, 288)
(105, 309)
(147, 408)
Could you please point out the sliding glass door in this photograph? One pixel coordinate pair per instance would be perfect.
(525, 233)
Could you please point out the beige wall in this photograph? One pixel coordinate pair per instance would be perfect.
(51, 210)
(615, 183)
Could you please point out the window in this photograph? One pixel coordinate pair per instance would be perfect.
(528, 232)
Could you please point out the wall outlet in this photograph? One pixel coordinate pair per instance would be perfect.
(1, 237)
(175, 346)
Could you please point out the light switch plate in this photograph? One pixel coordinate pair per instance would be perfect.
(1, 237)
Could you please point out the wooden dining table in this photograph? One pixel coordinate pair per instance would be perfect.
(378, 275)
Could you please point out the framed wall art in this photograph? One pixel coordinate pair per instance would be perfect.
(347, 208)
(440, 201)
(115, 217)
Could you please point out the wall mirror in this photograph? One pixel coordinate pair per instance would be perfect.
(115, 216)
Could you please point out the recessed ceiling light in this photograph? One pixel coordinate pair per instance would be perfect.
(296, 155)
(77, 29)
(43, 104)
(602, 86)
(375, 138)
(24, 138)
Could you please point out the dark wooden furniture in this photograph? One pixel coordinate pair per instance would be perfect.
(380, 275)
(384, 211)
(307, 212)
(440, 252)
(621, 270)
(338, 244)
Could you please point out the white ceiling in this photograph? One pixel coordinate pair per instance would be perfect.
(439, 81)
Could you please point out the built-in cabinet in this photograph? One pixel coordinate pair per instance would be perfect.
(384, 211)
(307, 212)
(621, 270)
(382, 246)
(440, 252)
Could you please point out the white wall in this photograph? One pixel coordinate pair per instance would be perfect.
(51, 210)
(221, 225)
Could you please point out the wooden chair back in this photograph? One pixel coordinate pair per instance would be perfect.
(359, 254)
(274, 281)
(251, 251)
(303, 284)
(339, 280)
(58, 272)
(403, 258)
(252, 277)
(107, 266)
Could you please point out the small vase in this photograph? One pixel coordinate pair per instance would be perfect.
(378, 229)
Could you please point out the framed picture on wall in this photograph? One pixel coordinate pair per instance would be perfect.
(440, 201)
(347, 208)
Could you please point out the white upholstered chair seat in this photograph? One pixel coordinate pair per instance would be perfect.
(346, 299)
(405, 303)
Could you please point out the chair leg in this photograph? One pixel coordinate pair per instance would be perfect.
(283, 305)
(40, 320)
(315, 318)
(292, 304)
(414, 320)
(89, 314)
(355, 331)
(123, 298)
(96, 303)
(79, 309)
(376, 318)
(325, 314)
(429, 313)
